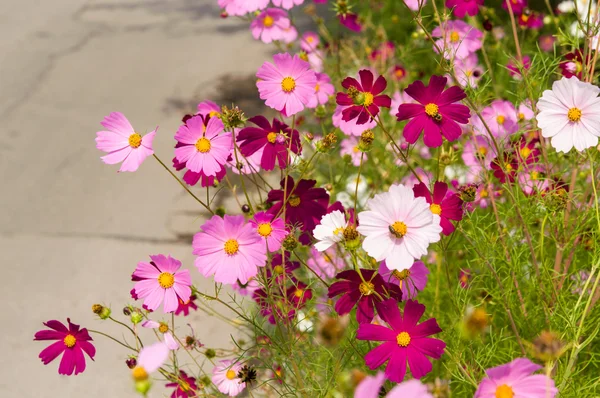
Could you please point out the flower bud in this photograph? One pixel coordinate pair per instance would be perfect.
(97, 308)
(467, 193)
(131, 362)
(143, 386)
(351, 237)
(246, 209)
(136, 317)
(232, 118)
(220, 211)
(366, 140)
(127, 311)
(210, 353)
(102, 311)
(327, 142)
(290, 242)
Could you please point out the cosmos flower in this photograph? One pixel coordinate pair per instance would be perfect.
(570, 114)
(309, 41)
(225, 377)
(517, 6)
(516, 379)
(513, 68)
(404, 340)
(468, 71)
(411, 281)
(272, 231)
(185, 386)
(273, 140)
(184, 307)
(287, 85)
(271, 25)
(363, 99)
(572, 65)
(531, 20)
(323, 90)
(506, 170)
(209, 108)
(229, 248)
(287, 4)
(442, 202)
(477, 154)
(398, 73)
(72, 342)
(123, 143)
(149, 360)
(460, 8)
(160, 280)
(330, 230)
(350, 127)
(325, 264)
(458, 39)
(163, 328)
(415, 5)
(436, 113)
(350, 21)
(361, 290)
(349, 146)
(370, 387)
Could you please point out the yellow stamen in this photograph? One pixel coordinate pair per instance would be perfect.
(435, 209)
(483, 194)
(163, 327)
(69, 340)
(401, 275)
(521, 116)
(265, 229)
(139, 374)
(482, 150)
(454, 37)
(500, 119)
(166, 280)
(525, 152)
(317, 87)
(504, 391)
(355, 149)
(366, 288)
(272, 137)
(338, 231)
(268, 21)
(294, 201)
(368, 99)
(212, 114)
(399, 229)
(278, 269)
(135, 140)
(231, 247)
(403, 339)
(203, 145)
(574, 114)
(230, 374)
(431, 110)
(288, 84)
(299, 293)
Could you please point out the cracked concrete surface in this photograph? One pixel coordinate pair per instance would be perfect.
(71, 228)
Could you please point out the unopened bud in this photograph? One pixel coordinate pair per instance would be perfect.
(131, 362)
(290, 242)
(127, 311)
(143, 386)
(136, 317)
(210, 353)
(220, 211)
(366, 140)
(467, 193)
(232, 117)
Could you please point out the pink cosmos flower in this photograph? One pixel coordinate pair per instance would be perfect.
(436, 114)
(234, 7)
(517, 5)
(72, 343)
(350, 21)
(315, 59)
(225, 377)
(468, 71)
(362, 100)
(398, 99)
(516, 379)
(209, 108)
(255, 5)
(229, 248)
(415, 5)
(398, 73)
(287, 4)
(350, 127)
(249, 164)
(272, 231)
(514, 70)
(524, 112)
(460, 8)
(501, 118)
(403, 341)
(370, 387)
(325, 264)
(458, 39)
(123, 143)
(150, 359)
(531, 20)
(287, 85)
(323, 90)
(349, 147)
(246, 289)
(411, 280)
(204, 148)
(533, 180)
(442, 202)
(477, 154)
(163, 328)
(184, 387)
(546, 42)
(464, 277)
(309, 41)
(272, 140)
(381, 55)
(160, 280)
(271, 25)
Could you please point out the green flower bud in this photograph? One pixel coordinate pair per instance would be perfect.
(136, 317)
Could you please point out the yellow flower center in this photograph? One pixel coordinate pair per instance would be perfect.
(399, 73)
(265, 229)
(212, 114)
(403, 339)
(288, 84)
(500, 119)
(272, 137)
(482, 151)
(303, 56)
(163, 328)
(278, 269)
(431, 110)
(521, 116)
(294, 201)
(483, 193)
(574, 114)
(203, 145)
(504, 391)
(525, 152)
(454, 37)
(355, 149)
(399, 229)
(268, 21)
(368, 99)
(298, 293)
(338, 231)
(166, 280)
(317, 87)
(366, 288)
(401, 275)
(139, 374)
(135, 140)
(310, 39)
(185, 387)
(509, 167)
(231, 247)
(69, 340)
(230, 374)
(435, 209)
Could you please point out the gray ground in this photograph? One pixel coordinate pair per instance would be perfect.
(71, 228)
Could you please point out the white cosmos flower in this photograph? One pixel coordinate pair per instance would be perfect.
(330, 230)
(398, 227)
(570, 114)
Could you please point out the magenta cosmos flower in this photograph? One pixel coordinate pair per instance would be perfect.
(350, 127)
(271, 25)
(411, 281)
(272, 231)
(350, 21)
(464, 7)
(403, 341)
(160, 280)
(362, 100)
(204, 148)
(516, 380)
(230, 249)
(72, 343)
(287, 85)
(185, 386)
(273, 140)
(436, 113)
(442, 202)
(362, 291)
(458, 39)
(123, 143)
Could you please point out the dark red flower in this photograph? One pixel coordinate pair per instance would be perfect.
(436, 112)
(299, 294)
(527, 151)
(273, 140)
(572, 65)
(184, 387)
(460, 8)
(444, 203)
(509, 171)
(184, 307)
(362, 100)
(350, 21)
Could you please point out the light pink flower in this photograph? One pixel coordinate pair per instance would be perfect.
(370, 386)
(272, 231)
(350, 127)
(255, 5)
(315, 59)
(309, 41)
(524, 112)
(225, 378)
(500, 117)
(230, 249)
(203, 148)
(151, 358)
(160, 280)
(326, 264)
(162, 327)
(415, 4)
(323, 90)
(457, 39)
(478, 153)
(123, 143)
(287, 4)
(234, 7)
(350, 148)
(270, 25)
(400, 97)
(287, 85)
(468, 71)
